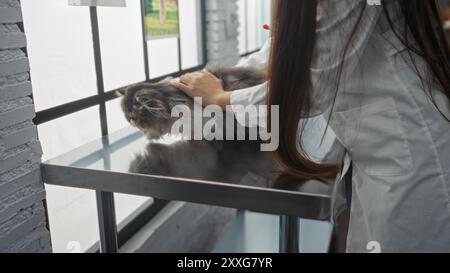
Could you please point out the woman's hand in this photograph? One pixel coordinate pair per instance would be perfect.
(205, 85)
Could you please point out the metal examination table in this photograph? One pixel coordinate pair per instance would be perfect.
(198, 172)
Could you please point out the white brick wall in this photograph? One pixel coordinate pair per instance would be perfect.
(22, 212)
(221, 30)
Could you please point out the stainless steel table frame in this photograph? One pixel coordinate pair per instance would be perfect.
(108, 166)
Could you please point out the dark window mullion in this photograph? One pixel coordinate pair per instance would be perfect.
(99, 70)
(105, 200)
(204, 34)
(179, 38)
(246, 27)
(179, 52)
(144, 41)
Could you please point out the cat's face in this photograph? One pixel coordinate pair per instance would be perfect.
(148, 106)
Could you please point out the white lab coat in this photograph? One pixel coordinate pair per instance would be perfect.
(387, 126)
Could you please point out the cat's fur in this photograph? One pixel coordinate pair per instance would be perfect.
(225, 161)
(148, 106)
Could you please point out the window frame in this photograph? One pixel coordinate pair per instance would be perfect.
(246, 38)
(145, 213)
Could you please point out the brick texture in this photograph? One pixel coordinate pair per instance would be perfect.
(22, 195)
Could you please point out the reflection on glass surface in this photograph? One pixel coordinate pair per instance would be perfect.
(223, 173)
(230, 162)
(128, 151)
(222, 161)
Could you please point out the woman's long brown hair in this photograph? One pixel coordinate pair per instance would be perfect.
(290, 86)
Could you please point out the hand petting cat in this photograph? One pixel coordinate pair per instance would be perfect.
(206, 85)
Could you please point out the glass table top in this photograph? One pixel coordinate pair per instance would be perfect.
(233, 174)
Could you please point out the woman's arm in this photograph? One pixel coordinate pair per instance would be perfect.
(255, 95)
(207, 86)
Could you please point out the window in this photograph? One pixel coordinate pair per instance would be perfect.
(74, 84)
(253, 14)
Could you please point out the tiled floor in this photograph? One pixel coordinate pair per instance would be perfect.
(258, 233)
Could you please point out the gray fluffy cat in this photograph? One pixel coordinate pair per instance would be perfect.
(148, 107)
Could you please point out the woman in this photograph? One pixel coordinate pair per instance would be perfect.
(380, 74)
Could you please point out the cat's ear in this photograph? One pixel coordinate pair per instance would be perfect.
(121, 92)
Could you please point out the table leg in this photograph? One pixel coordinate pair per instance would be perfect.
(107, 222)
(289, 234)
